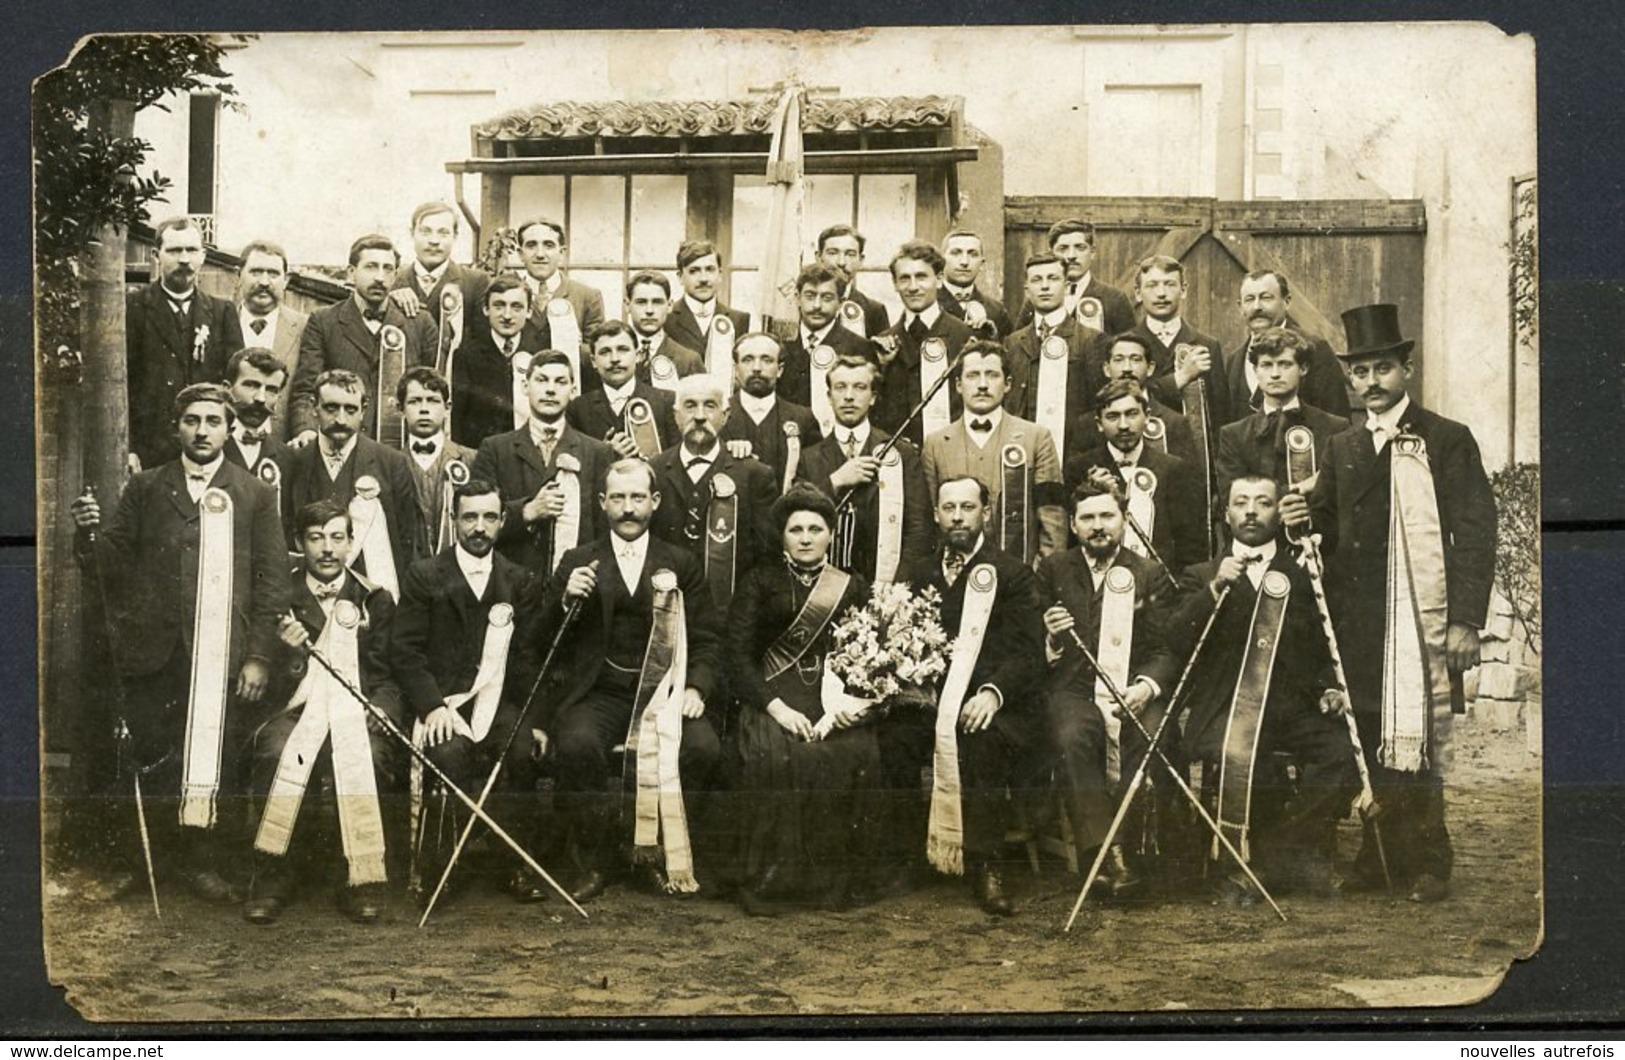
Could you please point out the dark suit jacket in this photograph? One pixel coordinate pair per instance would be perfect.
(1116, 308)
(148, 555)
(337, 337)
(1084, 357)
(473, 282)
(433, 490)
(440, 630)
(482, 386)
(795, 381)
(1249, 446)
(685, 360)
(1324, 387)
(270, 449)
(1064, 578)
(1303, 667)
(592, 415)
(1012, 655)
(767, 438)
(584, 646)
(1350, 508)
(992, 306)
(515, 465)
(680, 519)
(1161, 382)
(899, 389)
(683, 329)
(1179, 533)
(158, 352)
(372, 643)
(826, 458)
(949, 454)
(304, 479)
(875, 317)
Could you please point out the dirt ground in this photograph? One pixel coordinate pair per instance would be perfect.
(930, 952)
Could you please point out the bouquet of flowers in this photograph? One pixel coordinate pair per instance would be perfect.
(892, 649)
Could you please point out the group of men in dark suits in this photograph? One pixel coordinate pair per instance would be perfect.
(463, 522)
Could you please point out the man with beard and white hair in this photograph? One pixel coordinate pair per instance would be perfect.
(959, 294)
(368, 335)
(315, 725)
(1096, 304)
(983, 720)
(819, 339)
(547, 472)
(662, 360)
(1109, 598)
(699, 270)
(256, 378)
(439, 464)
(193, 576)
(633, 416)
(714, 505)
(841, 247)
(637, 667)
(422, 286)
(370, 481)
(1265, 302)
(886, 523)
(462, 655)
(488, 373)
(262, 281)
(174, 336)
(761, 422)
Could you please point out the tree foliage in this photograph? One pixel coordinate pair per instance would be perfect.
(1517, 542)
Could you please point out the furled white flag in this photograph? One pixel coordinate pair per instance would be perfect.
(781, 260)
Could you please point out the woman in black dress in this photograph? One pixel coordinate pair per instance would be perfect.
(809, 799)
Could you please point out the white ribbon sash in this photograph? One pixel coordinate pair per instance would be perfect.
(658, 735)
(792, 454)
(1142, 508)
(1415, 678)
(889, 533)
(451, 325)
(486, 690)
(211, 661)
(719, 350)
(567, 524)
(945, 840)
(662, 372)
(934, 362)
(520, 363)
(564, 333)
(1051, 394)
(371, 528)
(820, 360)
(1115, 646)
(330, 710)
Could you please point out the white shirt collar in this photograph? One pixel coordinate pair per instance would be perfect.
(960, 294)
(536, 425)
(756, 407)
(1270, 406)
(1055, 317)
(437, 439)
(343, 454)
(429, 277)
(1169, 327)
(655, 341)
(245, 317)
(860, 434)
(685, 454)
(993, 418)
(502, 343)
(1266, 550)
(208, 470)
(471, 565)
(1132, 456)
(811, 340)
(1389, 421)
(928, 317)
(617, 394)
(314, 584)
(700, 309)
(633, 551)
(545, 288)
(1081, 284)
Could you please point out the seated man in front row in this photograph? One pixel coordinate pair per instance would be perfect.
(318, 723)
(636, 665)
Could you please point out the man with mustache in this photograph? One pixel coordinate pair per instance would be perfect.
(462, 653)
(699, 270)
(1279, 361)
(592, 698)
(1128, 356)
(255, 377)
(547, 472)
(758, 416)
(1115, 615)
(345, 463)
(818, 301)
(841, 248)
(1408, 524)
(608, 405)
(715, 505)
(1073, 241)
(262, 281)
(959, 295)
(543, 250)
(174, 336)
(1291, 701)
(662, 360)
(438, 463)
(1265, 302)
(197, 520)
(349, 336)
(1178, 520)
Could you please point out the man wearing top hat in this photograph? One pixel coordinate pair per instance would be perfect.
(1407, 522)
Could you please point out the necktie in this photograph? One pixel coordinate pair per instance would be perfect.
(981, 426)
(509, 346)
(644, 346)
(426, 448)
(698, 461)
(952, 564)
(257, 325)
(917, 331)
(550, 435)
(850, 445)
(1044, 331)
(326, 590)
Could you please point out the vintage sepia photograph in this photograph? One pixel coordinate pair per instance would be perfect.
(640, 524)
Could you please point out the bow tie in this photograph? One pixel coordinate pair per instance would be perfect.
(952, 564)
(426, 448)
(1277, 421)
(326, 590)
(196, 476)
(697, 461)
(373, 314)
(1249, 558)
(981, 426)
(963, 296)
(249, 436)
(917, 330)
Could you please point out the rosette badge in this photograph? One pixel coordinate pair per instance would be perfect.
(663, 581)
(823, 357)
(501, 615)
(1055, 348)
(934, 349)
(975, 314)
(722, 485)
(456, 472)
(662, 369)
(451, 299)
(392, 338)
(1119, 580)
(559, 307)
(346, 614)
(367, 488)
(215, 501)
(1144, 480)
(1299, 439)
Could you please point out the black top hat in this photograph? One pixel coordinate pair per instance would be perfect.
(1374, 329)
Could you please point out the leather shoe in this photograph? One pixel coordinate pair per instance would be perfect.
(895, 882)
(755, 903)
(1238, 892)
(989, 891)
(1124, 881)
(526, 887)
(363, 904)
(211, 887)
(1359, 883)
(650, 877)
(1429, 888)
(591, 885)
(262, 910)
